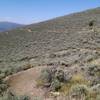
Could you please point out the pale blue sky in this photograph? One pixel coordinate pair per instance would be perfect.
(30, 11)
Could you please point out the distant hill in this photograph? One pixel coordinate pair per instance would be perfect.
(4, 26)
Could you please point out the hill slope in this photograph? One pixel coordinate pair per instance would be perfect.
(61, 33)
(5, 26)
(70, 43)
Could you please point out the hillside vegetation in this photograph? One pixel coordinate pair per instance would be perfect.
(70, 48)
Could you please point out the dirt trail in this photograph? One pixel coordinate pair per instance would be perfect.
(25, 82)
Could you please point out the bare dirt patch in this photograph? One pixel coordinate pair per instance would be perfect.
(25, 82)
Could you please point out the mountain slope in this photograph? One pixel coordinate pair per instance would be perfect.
(50, 36)
(5, 26)
(52, 41)
(68, 46)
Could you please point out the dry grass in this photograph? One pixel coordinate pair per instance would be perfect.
(76, 79)
(79, 79)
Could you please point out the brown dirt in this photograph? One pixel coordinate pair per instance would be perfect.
(25, 82)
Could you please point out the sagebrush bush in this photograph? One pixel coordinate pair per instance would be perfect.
(55, 85)
(96, 88)
(46, 75)
(11, 96)
(2, 75)
(60, 75)
(45, 78)
(3, 86)
(51, 77)
(75, 85)
(24, 97)
(91, 23)
(94, 70)
(79, 90)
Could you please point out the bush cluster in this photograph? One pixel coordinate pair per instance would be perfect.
(53, 78)
(10, 96)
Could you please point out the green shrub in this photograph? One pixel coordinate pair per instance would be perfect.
(3, 86)
(94, 70)
(79, 90)
(60, 75)
(51, 77)
(45, 78)
(2, 75)
(24, 98)
(10, 96)
(91, 23)
(55, 85)
(46, 75)
(96, 88)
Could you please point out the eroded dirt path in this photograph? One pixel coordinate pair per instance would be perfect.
(25, 82)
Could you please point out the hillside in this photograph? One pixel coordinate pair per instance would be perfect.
(5, 26)
(70, 42)
(55, 35)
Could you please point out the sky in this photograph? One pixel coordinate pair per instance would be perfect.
(32, 11)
